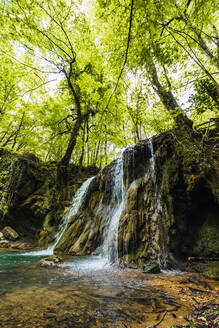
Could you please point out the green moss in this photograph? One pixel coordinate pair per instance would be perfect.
(209, 269)
(207, 241)
(196, 159)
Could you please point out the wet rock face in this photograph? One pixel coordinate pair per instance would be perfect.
(85, 230)
(170, 205)
(143, 227)
(37, 196)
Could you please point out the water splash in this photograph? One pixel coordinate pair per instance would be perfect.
(110, 243)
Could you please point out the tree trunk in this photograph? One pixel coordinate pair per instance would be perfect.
(168, 98)
(18, 130)
(72, 142)
(214, 59)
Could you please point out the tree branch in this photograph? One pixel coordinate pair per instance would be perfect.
(26, 65)
(39, 86)
(194, 57)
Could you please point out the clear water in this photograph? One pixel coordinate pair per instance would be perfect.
(84, 293)
(8, 259)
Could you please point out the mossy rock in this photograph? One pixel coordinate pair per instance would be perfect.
(207, 241)
(51, 261)
(209, 269)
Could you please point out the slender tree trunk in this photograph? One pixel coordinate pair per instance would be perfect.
(75, 131)
(72, 142)
(8, 140)
(83, 147)
(105, 151)
(167, 97)
(214, 59)
(18, 130)
(97, 151)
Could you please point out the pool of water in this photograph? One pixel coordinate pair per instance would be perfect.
(85, 292)
(12, 258)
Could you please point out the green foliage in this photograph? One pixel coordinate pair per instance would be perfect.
(60, 63)
(205, 97)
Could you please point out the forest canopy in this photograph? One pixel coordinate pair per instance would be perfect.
(80, 80)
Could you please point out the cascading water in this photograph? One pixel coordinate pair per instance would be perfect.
(150, 144)
(110, 243)
(75, 206)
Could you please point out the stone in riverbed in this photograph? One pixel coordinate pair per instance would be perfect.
(18, 245)
(51, 261)
(10, 233)
(4, 243)
(151, 267)
(1, 236)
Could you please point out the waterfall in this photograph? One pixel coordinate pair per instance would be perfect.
(75, 206)
(153, 163)
(110, 242)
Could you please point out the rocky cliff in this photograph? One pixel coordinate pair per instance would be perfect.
(34, 195)
(170, 207)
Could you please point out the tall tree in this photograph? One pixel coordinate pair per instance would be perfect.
(156, 52)
(57, 41)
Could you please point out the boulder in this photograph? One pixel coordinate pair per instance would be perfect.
(10, 233)
(20, 245)
(51, 261)
(151, 267)
(1, 236)
(4, 243)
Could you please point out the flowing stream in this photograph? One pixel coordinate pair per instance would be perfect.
(81, 295)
